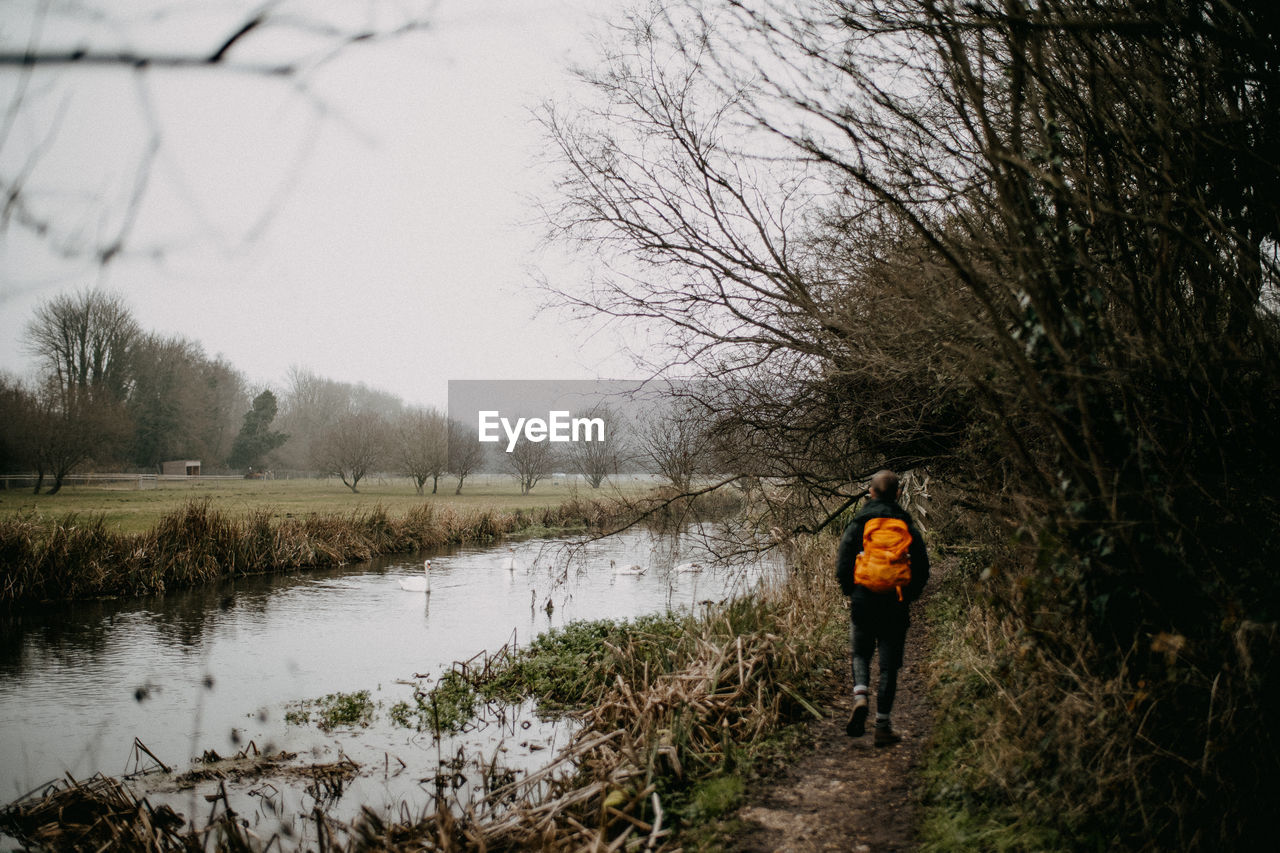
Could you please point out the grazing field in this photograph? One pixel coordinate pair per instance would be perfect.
(127, 509)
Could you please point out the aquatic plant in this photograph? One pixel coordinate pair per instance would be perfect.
(672, 711)
(336, 710)
(445, 708)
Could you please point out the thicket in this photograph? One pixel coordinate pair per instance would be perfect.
(1031, 249)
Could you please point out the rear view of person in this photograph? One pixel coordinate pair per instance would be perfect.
(882, 566)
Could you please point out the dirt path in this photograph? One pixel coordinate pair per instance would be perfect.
(846, 794)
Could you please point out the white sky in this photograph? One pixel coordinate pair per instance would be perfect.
(400, 242)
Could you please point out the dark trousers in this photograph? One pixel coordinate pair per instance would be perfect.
(878, 623)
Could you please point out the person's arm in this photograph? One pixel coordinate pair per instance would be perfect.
(850, 545)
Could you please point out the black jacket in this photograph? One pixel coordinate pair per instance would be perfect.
(851, 544)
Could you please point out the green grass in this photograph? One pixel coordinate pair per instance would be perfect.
(963, 809)
(131, 510)
(568, 668)
(446, 708)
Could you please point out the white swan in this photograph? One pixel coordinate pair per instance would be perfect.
(633, 570)
(688, 568)
(511, 563)
(422, 584)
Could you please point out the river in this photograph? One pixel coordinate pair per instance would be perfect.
(218, 668)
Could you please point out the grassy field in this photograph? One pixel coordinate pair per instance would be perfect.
(127, 509)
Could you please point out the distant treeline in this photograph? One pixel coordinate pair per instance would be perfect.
(109, 396)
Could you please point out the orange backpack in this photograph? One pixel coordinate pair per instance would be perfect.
(883, 564)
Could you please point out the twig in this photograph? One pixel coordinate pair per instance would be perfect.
(656, 832)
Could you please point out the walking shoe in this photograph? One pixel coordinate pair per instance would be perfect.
(857, 725)
(886, 736)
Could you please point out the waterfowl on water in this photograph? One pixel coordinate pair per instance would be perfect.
(511, 563)
(633, 569)
(422, 584)
(687, 568)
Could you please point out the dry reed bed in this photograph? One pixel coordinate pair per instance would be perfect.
(101, 813)
(80, 557)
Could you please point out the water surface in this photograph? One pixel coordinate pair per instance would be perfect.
(217, 668)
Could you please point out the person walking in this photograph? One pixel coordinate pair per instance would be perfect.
(882, 566)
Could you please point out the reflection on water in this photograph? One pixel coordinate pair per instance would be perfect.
(213, 669)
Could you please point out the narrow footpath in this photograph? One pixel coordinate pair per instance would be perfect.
(846, 794)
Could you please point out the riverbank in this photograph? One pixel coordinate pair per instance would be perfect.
(81, 556)
(672, 716)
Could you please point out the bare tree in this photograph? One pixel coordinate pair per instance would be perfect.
(65, 436)
(224, 395)
(529, 462)
(706, 228)
(677, 443)
(354, 446)
(18, 413)
(422, 445)
(180, 403)
(47, 48)
(311, 404)
(598, 458)
(83, 343)
(466, 453)
(1031, 245)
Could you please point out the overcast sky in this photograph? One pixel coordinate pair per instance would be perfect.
(386, 238)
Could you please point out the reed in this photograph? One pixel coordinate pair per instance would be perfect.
(101, 813)
(81, 557)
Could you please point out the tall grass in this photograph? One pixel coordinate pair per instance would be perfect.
(81, 557)
(1037, 747)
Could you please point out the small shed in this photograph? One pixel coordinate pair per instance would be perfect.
(181, 468)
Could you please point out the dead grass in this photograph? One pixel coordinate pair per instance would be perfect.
(198, 543)
(1039, 747)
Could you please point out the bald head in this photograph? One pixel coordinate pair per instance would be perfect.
(884, 485)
